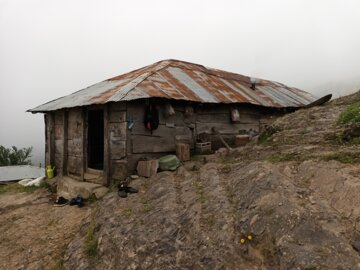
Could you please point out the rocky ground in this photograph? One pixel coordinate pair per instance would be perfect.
(295, 193)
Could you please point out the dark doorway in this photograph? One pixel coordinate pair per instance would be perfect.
(96, 139)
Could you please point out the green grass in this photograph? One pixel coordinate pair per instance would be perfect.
(265, 136)
(342, 157)
(17, 188)
(350, 115)
(127, 212)
(282, 157)
(147, 206)
(90, 245)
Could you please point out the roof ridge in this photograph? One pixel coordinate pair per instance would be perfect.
(123, 94)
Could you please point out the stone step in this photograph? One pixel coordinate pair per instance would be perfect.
(69, 188)
(93, 178)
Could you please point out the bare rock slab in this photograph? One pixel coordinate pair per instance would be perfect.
(70, 188)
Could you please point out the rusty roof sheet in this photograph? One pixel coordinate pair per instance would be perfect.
(174, 79)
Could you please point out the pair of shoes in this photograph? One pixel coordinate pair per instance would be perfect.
(124, 190)
(122, 193)
(78, 200)
(131, 190)
(61, 201)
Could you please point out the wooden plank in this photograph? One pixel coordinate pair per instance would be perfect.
(214, 118)
(183, 134)
(74, 165)
(136, 112)
(83, 143)
(65, 143)
(75, 121)
(267, 120)
(161, 131)
(246, 118)
(225, 128)
(57, 163)
(117, 116)
(52, 138)
(146, 144)
(117, 106)
(58, 117)
(117, 131)
(117, 149)
(119, 170)
(75, 147)
(47, 133)
(107, 165)
(59, 147)
(58, 132)
(212, 109)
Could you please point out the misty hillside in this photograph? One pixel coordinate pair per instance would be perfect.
(288, 201)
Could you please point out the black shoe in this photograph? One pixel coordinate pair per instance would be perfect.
(122, 187)
(79, 201)
(61, 201)
(122, 193)
(131, 190)
(73, 201)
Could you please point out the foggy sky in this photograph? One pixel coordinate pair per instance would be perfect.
(50, 49)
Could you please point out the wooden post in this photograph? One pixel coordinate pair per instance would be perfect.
(52, 138)
(107, 165)
(84, 140)
(47, 157)
(65, 143)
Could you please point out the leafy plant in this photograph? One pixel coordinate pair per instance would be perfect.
(350, 115)
(265, 136)
(15, 156)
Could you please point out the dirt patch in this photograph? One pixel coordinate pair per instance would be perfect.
(34, 233)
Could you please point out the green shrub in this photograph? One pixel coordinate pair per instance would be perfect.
(265, 136)
(350, 115)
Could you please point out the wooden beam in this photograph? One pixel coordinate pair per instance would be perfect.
(214, 130)
(83, 139)
(65, 143)
(52, 138)
(47, 157)
(107, 165)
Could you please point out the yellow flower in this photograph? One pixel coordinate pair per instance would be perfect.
(242, 240)
(249, 237)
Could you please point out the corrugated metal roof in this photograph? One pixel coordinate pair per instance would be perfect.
(19, 172)
(180, 80)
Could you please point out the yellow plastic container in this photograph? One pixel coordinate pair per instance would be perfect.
(50, 171)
